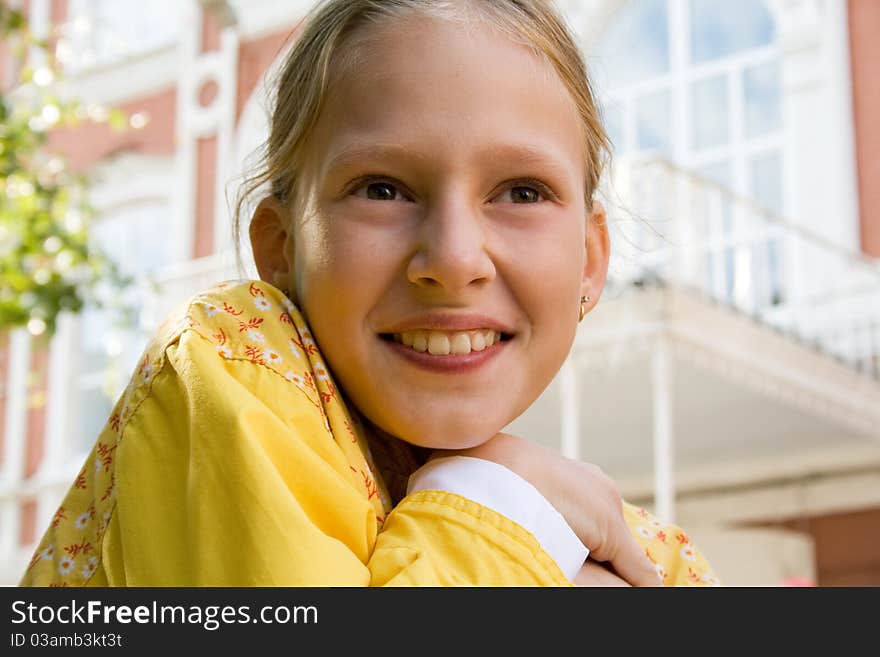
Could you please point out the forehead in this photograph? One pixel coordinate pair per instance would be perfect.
(440, 89)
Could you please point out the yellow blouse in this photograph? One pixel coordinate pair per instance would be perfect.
(231, 460)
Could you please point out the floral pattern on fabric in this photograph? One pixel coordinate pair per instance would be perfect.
(671, 551)
(246, 320)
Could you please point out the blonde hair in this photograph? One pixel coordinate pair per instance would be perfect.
(328, 46)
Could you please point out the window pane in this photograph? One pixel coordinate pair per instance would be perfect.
(765, 180)
(634, 47)
(94, 326)
(93, 410)
(719, 172)
(653, 124)
(720, 263)
(763, 99)
(721, 27)
(138, 237)
(710, 113)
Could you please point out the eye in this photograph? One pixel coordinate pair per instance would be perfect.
(522, 194)
(526, 192)
(377, 190)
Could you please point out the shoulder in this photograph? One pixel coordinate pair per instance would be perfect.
(244, 305)
(206, 337)
(238, 348)
(240, 320)
(677, 559)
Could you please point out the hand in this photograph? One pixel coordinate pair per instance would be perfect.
(593, 573)
(588, 500)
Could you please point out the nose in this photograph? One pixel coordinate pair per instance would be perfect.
(452, 248)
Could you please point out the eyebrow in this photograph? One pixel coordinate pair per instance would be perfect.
(373, 151)
(520, 153)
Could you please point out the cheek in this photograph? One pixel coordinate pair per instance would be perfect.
(548, 270)
(342, 270)
(320, 265)
(546, 282)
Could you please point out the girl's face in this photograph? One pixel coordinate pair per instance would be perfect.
(444, 195)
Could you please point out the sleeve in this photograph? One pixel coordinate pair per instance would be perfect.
(499, 488)
(675, 557)
(225, 474)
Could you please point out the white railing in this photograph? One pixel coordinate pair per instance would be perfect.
(670, 225)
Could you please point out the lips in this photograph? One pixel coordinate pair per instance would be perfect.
(448, 363)
(447, 342)
(448, 322)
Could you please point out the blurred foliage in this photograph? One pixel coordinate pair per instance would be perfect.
(48, 264)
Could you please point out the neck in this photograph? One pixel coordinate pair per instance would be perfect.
(396, 459)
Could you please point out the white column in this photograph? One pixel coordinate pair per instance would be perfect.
(819, 137)
(14, 442)
(571, 419)
(679, 55)
(185, 153)
(841, 168)
(38, 18)
(227, 170)
(664, 449)
(62, 355)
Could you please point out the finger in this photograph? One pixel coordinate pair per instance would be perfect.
(631, 562)
(595, 574)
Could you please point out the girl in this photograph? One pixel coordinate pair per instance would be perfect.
(431, 239)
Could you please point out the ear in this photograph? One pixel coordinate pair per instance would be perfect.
(598, 247)
(269, 235)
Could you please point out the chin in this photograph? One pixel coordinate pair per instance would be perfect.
(445, 435)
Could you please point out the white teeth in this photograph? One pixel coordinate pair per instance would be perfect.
(442, 343)
(438, 344)
(420, 342)
(460, 344)
(478, 341)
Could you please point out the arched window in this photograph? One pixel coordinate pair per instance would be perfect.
(698, 82)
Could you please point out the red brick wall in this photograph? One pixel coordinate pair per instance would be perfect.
(5, 63)
(211, 31)
(4, 392)
(864, 28)
(254, 58)
(27, 533)
(57, 11)
(846, 545)
(206, 169)
(89, 143)
(37, 389)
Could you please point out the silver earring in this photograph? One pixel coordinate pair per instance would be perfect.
(583, 311)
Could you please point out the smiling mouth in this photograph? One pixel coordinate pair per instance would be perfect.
(445, 343)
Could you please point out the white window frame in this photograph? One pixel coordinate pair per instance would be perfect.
(738, 151)
(678, 82)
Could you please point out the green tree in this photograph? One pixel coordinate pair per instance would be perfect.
(48, 264)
